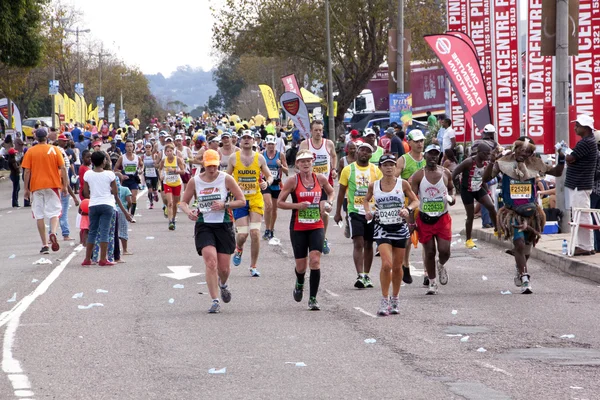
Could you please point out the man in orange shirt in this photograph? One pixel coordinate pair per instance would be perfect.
(45, 175)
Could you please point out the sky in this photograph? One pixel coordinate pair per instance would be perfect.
(157, 36)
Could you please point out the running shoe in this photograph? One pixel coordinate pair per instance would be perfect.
(360, 283)
(426, 280)
(165, 212)
(347, 231)
(225, 293)
(368, 282)
(237, 257)
(517, 277)
(526, 288)
(151, 206)
(384, 307)
(266, 236)
(442, 273)
(54, 242)
(313, 305)
(155, 197)
(406, 278)
(254, 273)
(271, 234)
(45, 250)
(394, 305)
(171, 226)
(433, 288)
(470, 244)
(326, 248)
(215, 307)
(298, 292)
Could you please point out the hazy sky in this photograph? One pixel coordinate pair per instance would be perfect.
(158, 36)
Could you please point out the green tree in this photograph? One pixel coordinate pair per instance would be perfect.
(229, 81)
(21, 41)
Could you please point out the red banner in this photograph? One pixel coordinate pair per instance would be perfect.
(457, 21)
(290, 84)
(507, 97)
(538, 80)
(462, 66)
(585, 68)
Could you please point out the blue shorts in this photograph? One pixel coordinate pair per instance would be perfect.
(130, 183)
(255, 204)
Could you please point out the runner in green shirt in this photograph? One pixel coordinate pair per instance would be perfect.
(369, 136)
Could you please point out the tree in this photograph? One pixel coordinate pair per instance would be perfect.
(229, 81)
(20, 32)
(291, 29)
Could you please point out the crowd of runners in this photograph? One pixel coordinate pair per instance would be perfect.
(228, 175)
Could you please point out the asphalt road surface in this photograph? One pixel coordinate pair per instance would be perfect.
(140, 344)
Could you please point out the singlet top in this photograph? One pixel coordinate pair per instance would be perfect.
(411, 166)
(433, 197)
(207, 193)
(376, 155)
(172, 179)
(274, 168)
(345, 160)
(309, 218)
(358, 184)
(472, 179)
(247, 177)
(149, 167)
(129, 166)
(516, 192)
(388, 222)
(224, 161)
(322, 163)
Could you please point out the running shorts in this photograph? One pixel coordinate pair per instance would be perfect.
(395, 243)
(469, 197)
(130, 183)
(305, 241)
(152, 182)
(219, 236)
(274, 193)
(256, 205)
(442, 228)
(359, 227)
(175, 190)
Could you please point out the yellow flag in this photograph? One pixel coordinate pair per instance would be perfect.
(270, 101)
(67, 103)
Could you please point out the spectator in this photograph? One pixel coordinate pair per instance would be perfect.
(449, 141)
(15, 175)
(396, 147)
(581, 168)
(76, 132)
(45, 174)
(431, 121)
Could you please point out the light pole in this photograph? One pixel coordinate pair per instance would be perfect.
(329, 77)
(77, 31)
(121, 111)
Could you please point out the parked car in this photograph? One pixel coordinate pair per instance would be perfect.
(384, 121)
(29, 124)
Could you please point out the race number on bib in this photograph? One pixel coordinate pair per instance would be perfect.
(309, 215)
(359, 200)
(431, 206)
(320, 168)
(130, 169)
(172, 178)
(390, 216)
(150, 172)
(520, 190)
(248, 185)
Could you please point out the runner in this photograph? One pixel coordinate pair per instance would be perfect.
(129, 163)
(324, 164)
(391, 229)
(355, 179)
(343, 163)
(521, 218)
(150, 174)
(371, 138)
(226, 150)
(434, 223)
(171, 168)
(472, 187)
(246, 168)
(278, 166)
(306, 225)
(406, 166)
(213, 231)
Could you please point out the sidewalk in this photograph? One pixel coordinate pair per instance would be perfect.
(548, 249)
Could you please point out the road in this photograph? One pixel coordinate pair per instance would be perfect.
(139, 345)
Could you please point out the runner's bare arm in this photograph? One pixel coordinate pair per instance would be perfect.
(490, 172)
(288, 187)
(412, 197)
(416, 181)
(236, 191)
(333, 155)
(461, 168)
(450, 186)
(400, 166)
(284, 164)
(188, 195)
(340, 200)
(230, 165)
(326, 187)
(119, 164)
(265, 171)
(367, 205)
(180, 166)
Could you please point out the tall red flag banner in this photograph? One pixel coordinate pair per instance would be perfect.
(538, 82)
(585, 68)
(462, 67)
(290, 84)
(507, 97)
(457, 21)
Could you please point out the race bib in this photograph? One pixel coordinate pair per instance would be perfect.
(248, 185)
(205, 202)
(520, 190)
(390, 216)
(172, 178)
(130, 169)
(432, 206)
(359, 200)
(321, 166)
(310, 215)
(476, 182)
(150, 172)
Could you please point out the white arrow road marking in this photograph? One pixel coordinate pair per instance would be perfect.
(180, 272)
(365, 312)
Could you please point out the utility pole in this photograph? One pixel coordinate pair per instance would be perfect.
(562, 99)
(100, 55)
(121, 110)
(400, 53)
(77, 31)
(331, 122)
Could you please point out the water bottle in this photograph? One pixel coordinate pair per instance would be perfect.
(565, 247)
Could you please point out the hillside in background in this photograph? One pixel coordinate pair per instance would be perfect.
(188, 85)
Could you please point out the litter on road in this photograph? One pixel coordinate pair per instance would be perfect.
(178, 286)
(77, 295)
(569, 336)
(11, 256)
(149, 237)
(34, 280)
(171, 301)
(13, 298)
(297, 364)
(454, 312)
(217, 371)
(90, 306)
(505, 292)
(464, 339)
(43, 261)
(370, 341)
(484, 278)
(481, 350)
(101, 291)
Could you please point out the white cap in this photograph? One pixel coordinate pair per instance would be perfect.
(368, 131)
(367, 145)
(118, 137)
(585, 120)
(178, 137)
(489, 128)
(247, 132)
(416, 135)
(271, 139)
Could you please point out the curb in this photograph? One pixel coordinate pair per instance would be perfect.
(566, 264)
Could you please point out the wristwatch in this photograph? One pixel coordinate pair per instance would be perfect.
(226, 206)
(410, 210)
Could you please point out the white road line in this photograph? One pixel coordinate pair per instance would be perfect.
(140, 194)
(494, 368)
(329, 292)
(365, 312)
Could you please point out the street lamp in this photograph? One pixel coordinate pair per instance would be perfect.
(77, 31)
